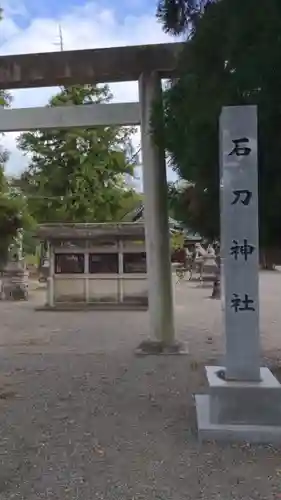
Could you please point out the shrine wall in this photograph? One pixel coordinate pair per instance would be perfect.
(104, 289)
(113, 273)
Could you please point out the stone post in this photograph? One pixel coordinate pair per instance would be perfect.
(240, 241)
(50, 279)
(160, 293)
(86, 273)
(244, 401)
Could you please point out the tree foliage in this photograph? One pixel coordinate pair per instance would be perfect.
(233, 58)
(181, 16)
(13, 214)
(13, 210)
(77, 175)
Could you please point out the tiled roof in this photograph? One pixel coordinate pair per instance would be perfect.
(138, 215)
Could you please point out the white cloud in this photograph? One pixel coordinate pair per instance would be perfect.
(88, 26)
(14, 8)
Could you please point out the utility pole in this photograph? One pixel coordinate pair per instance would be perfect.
(60, 38)
(60, 42)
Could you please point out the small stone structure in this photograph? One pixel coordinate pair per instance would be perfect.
(100, 266)
(14, 277)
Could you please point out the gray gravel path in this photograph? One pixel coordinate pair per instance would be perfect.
(82, 418)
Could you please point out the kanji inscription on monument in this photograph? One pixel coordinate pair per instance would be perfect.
(239, 240)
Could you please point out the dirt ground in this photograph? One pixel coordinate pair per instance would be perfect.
(82, 418)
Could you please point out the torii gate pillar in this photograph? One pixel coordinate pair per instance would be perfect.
(160, 293)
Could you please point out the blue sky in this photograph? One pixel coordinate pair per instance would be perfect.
(33, 26)
(26, 10)
(121, 8)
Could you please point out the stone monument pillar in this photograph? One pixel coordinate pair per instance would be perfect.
(244, 401)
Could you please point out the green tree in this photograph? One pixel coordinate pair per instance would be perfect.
(233, 58)
(77, 175)
(13, 210)
(181, 16)
(13, 216)
(13, 213)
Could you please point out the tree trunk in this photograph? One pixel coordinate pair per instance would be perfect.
(3, 254)
(268, 259)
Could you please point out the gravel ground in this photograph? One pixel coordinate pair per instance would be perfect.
(82, 418)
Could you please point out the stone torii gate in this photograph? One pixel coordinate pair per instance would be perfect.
(147, 64)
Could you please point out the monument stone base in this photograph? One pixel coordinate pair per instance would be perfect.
(236, 411)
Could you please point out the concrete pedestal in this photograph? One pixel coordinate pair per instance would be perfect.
(14, 285)
(14, 282)
(240, 411)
